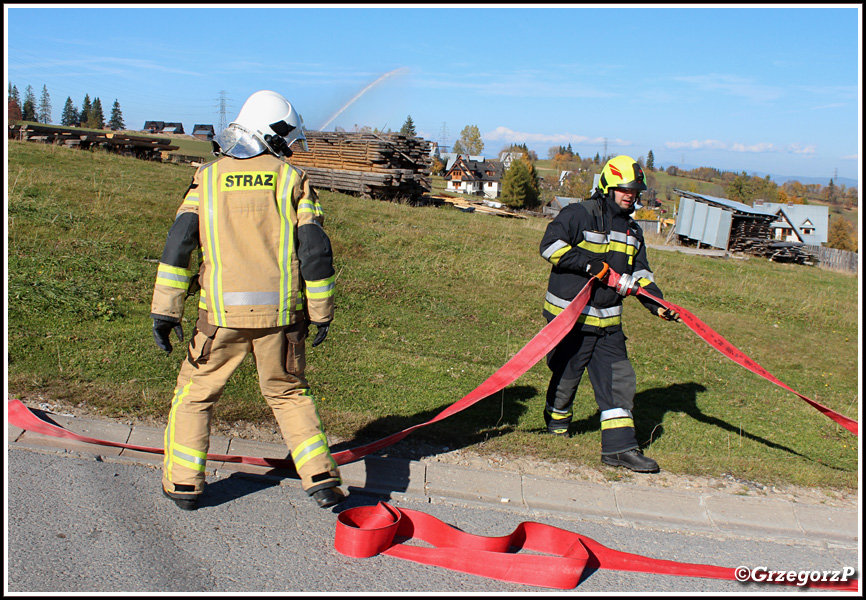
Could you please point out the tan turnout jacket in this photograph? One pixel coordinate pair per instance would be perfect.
(266, 260)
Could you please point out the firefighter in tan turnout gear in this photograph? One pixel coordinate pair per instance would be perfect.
(585, 240)
(266, 274)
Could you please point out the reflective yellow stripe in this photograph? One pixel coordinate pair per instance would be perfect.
(591, 247)
(191, 200)
(210, 217)
(554, 310)
(175, 277)
(189, 458)
(554, 258)
(314, 446)
(286, 243)
(597, 322)
(322, 288)
(310, 206)
(168, 442)
(616, 423)
(307, 207)
(559, 417)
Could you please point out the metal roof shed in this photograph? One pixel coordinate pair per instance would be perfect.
(719, 222)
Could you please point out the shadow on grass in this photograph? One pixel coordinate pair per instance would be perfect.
(652, 405)
(495, 415)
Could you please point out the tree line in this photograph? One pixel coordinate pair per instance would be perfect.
(90, 115)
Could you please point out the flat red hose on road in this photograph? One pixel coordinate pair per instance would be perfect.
(383, 529)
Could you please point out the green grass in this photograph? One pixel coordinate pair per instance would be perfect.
(430, 302)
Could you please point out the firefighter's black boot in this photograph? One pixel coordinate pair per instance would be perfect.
(328, 497)
(631, 459)
(183, 501)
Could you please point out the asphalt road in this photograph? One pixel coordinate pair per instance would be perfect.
(77, 524)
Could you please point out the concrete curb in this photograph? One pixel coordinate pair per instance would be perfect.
(626, 504)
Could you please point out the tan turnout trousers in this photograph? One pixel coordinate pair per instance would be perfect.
(215, 353)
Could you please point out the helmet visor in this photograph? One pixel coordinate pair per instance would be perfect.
(240, 143)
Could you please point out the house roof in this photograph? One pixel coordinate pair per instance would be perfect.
(479, 170)
(724, 202)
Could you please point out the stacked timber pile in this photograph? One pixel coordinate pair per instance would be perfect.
(148, 148)
(384, 166)
(778, 251)
(750, 227)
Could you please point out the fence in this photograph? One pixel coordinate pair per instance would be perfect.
(650, 226)
(833, 258)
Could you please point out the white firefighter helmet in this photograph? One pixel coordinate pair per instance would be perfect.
(266, 122)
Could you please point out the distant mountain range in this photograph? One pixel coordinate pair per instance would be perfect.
(780, 179)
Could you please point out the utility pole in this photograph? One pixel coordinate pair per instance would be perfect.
(604, 156)
(443, 138)
(223, 103)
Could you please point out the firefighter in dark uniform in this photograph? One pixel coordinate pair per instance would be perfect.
(585, 240)
(266, 275)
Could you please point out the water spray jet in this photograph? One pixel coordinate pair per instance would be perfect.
(399, 71)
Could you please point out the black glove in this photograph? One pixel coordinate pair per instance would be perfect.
(597, 268)
(668, 315)
(161, 331)
(321, 333)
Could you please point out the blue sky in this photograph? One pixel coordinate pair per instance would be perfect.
(765, 90)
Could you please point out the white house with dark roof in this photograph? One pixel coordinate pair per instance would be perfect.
(475, 177)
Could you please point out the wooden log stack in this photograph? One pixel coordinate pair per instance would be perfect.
(385, 166)
(778, 251)
(148, 148)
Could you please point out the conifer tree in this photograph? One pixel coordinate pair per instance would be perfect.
(408, 128)
(97, 118)
(69, 117)
(86, 108)
(28, 109)
(520, 185)
(116, 121)
(44, 114)
(14, 95)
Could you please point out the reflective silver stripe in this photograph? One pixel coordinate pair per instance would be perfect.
(209, 209)
(163, 274)
(251, 298)
(595, 238)
(287, 242)
(318, 289)
(615, 413)
(601, 313)
(619, 236)
(550, 409)
(557, 245)
(312, 447)
(189, 457)
(644, 274)
(556, 301)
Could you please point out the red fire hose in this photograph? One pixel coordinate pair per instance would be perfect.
(365, 531)
(382, 529)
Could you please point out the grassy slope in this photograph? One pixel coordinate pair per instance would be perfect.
(431, 301)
